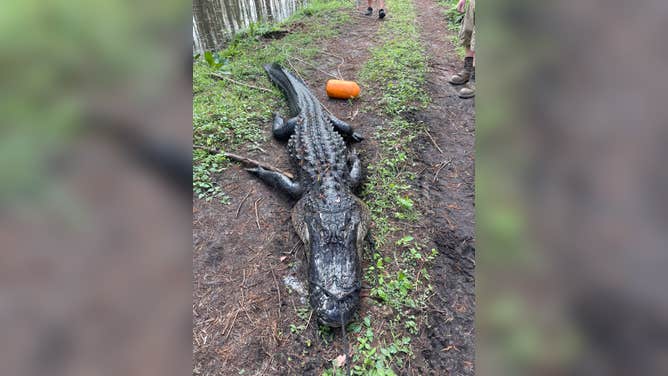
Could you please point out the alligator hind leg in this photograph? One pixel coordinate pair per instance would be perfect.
(282, 129)
(277, 180)
(345, 129)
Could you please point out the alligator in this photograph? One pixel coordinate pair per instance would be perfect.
(330, 220)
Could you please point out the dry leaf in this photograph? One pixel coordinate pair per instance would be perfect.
(340, 361)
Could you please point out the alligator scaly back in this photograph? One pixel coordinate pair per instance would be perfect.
(315, 147)
(329, 219)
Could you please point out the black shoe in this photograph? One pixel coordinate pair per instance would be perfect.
(369, 11)
(381, 14)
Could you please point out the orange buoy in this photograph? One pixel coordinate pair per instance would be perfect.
(342, 89)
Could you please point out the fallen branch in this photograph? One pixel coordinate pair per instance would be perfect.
(215, 75)
(239, 158)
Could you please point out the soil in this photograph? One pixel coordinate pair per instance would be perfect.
(243, 251)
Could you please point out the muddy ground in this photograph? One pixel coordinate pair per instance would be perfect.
(243, 251)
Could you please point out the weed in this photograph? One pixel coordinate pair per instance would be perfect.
(452, 15)
(297, 329)
(304, 314)
(378, 360)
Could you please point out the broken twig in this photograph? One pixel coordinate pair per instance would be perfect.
(338, 68)
(257, 217)
(278, 290)
(441, 166)
(215, 75)
(242, 202)
(434, 142)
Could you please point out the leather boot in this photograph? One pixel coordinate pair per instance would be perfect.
(467, 91)
(464, 75)
(369, 11)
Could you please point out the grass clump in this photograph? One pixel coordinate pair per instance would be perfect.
(400, 63)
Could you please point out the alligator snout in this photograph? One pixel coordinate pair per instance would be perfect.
(334, 309)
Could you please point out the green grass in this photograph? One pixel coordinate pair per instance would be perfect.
(227, 115)
(399, 63)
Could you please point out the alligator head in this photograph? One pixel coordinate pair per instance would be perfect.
(333, 232)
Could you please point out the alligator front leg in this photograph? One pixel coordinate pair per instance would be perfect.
(355, 169)
(282, 129)
(345, 129)
(278, 180)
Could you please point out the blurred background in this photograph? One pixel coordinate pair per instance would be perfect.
(95, 199)
(571, 188)
(95, 195)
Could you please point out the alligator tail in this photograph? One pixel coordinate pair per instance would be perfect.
(286, 82)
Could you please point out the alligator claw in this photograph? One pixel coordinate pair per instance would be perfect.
(357, 137)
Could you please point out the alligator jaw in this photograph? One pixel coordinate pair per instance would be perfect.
(333, 241)
(331, 310)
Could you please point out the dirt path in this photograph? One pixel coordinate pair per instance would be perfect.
(244, 251)
(448, 194)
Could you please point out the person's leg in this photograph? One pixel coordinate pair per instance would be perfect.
(469, 90)
(471, 50)
(381, 11)
(369, 10)
(465, 74)
(466, 35)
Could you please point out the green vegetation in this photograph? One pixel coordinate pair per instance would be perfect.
(229, 112)
(452, 15)
(401, 283)
(455, 20)
(400, 63)
(304, 314)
